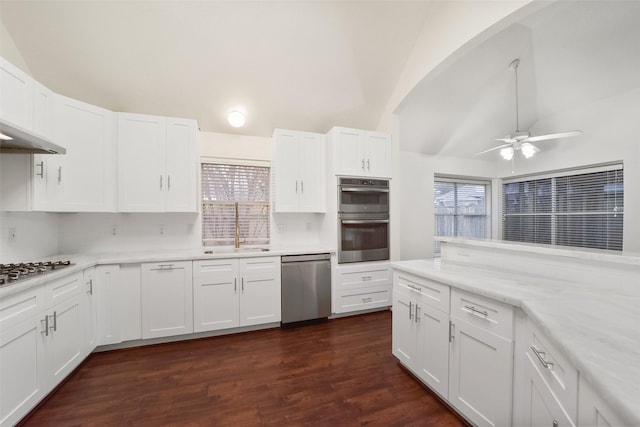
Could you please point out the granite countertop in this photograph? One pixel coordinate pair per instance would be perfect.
(81, 262)
(596, 327)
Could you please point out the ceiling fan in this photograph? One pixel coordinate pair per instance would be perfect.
(522, 140)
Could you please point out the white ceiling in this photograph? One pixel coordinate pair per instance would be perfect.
(291, 64)
(572, 53)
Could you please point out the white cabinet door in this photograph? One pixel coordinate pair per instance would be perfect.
(107, 291)
(16, 95)
(542, 407)
(404, 343)
(480, 374)
(299, 171)
(259, 290)
(84, 178)
(130, 305)
(141, 162)
(215, 295)
(181, 162)
(66, 341)
(22, 356)
(43, 110)
(377, 154)
(167, 304)
(432, 362)
(348, 152)
(157, 159)
(593, 411)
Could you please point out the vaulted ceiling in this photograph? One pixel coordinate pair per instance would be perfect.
(304, 65)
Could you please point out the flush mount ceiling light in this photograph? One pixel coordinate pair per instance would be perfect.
(236, 118)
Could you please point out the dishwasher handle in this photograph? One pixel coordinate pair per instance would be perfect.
(305, 258)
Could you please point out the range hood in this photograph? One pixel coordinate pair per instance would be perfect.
(14, 139)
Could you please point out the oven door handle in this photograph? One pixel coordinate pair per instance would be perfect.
(364, 221)
(364, 189)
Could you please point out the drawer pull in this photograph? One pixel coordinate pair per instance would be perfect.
(366, 278)
(451, 331)
(415, 288)
(410, 310)
(417, 313)
(46, 326)
(540, 355)
(165, 266)
(367, 299)
(475, 311)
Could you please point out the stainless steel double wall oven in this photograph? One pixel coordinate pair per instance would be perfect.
(363, 220)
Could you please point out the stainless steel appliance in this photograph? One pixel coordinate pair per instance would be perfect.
(363, 220)
(363, 196)
(306, 288)
(12, 273)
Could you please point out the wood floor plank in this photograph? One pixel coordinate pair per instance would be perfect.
(338, 373)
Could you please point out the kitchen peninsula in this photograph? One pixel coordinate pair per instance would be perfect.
(566, 319)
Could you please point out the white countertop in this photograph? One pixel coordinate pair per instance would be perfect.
(81, 262)
(596, 327)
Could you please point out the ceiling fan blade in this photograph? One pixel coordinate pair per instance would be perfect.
(554, 136)
(492, 149)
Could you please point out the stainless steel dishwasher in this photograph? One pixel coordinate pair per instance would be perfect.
(306, 289)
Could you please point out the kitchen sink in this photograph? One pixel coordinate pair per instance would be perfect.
(234, 250)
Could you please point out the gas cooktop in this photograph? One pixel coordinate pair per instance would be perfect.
(12, 273)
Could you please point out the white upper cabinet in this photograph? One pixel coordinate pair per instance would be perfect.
(16, 95)
(82, 180)
(43, 110)
(299, 171)
(361, 153)
(157, 158)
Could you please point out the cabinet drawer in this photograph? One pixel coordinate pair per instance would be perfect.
(353, 277)
(64, 288)
(259, 266)
(19, 307)
(423, 290)
(485, 313)
(208, 271)
(364, 299)
(559, 375)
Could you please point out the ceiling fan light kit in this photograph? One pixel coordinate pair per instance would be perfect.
(521, 140)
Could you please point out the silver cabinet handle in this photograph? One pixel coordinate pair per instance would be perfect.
(55, 322)
(235, 285)
(540, 355)
(414, 287)
(417, 313)
(165, 266)
(364, 300)
(410, 310)
(368, 165)
(366, 278)
(59, 174)
(168, 182)
(302, 186)
(46, 326)
(452, 331)
(90, 283)
(296, 186)
(242, 285)
(41, 166)
(479, 313)
(161, 182)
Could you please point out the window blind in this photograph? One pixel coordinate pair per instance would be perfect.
(460, 209)
(230, 192)
(580, 208)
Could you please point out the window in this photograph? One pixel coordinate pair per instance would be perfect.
(582, 208)
(231, 192)
(461, 208)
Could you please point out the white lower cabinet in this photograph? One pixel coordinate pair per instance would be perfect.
(229, 293)
(421, 329)
(167, 304)
(593, 410)
(108, 306)
(362, 286)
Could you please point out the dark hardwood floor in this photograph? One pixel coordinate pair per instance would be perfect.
(338, 373)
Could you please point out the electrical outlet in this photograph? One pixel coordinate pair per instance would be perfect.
(114, 230)
(12, 234)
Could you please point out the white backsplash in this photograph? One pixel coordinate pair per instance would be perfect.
(27, 235)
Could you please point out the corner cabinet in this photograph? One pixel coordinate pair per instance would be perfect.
(299, 170)
(157, 164)
(229, 293)
(83, 180)
(360, 152)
